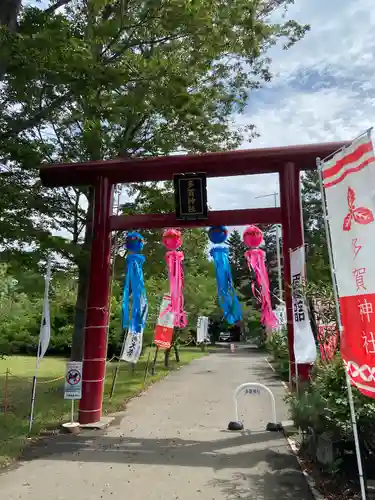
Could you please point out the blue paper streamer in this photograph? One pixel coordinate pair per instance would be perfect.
(225, 290)
(134, 287)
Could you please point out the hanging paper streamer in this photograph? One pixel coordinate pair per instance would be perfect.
(225, 290)
(172, 240)
(134, 315)
(255, 258)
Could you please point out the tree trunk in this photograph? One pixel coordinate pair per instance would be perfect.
(80, 313)
(83, 286)
(9, 10)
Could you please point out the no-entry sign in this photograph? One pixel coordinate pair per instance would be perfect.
(73, 380)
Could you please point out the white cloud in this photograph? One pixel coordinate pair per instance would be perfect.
(323, 90)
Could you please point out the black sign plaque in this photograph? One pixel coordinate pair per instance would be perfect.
(191, 196)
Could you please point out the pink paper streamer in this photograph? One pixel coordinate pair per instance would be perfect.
(176, 287)
(255, 258)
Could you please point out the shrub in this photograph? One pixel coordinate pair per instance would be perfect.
(323, 403)
(277, 346)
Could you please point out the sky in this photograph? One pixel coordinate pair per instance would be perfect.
(323, 90)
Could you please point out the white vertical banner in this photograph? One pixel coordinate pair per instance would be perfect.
(202, 329)
(304, 342)
(133, 342)
(44, 339)
(45, 325)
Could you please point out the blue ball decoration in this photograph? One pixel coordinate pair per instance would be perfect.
(218, 234)
(134, 242)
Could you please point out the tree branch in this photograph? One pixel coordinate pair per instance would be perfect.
(52, 8)
(20, 125)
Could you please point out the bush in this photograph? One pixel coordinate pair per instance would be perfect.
(277, 346)
(323, 403)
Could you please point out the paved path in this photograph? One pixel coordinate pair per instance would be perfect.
(171, 444)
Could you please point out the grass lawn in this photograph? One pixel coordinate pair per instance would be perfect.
(50, 408)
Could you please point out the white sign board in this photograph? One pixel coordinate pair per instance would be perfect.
(73, 380)
(202, 329)
(253, 391)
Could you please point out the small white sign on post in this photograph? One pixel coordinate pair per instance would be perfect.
(202, 329)
(254, 391)
(73, 380)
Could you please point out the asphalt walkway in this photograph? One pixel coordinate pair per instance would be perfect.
(171, 444)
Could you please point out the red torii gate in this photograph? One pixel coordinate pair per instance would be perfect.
(103, 175)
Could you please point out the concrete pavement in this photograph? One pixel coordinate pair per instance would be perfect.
(171, 444)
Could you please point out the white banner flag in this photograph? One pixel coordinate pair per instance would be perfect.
(349, 186)
(132, 347)
(202, 329)
(133, 342)
(304, 342)
(45, 325)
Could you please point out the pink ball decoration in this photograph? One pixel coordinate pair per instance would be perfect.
(252, 236)
(172, 239)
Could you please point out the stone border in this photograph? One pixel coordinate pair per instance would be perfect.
(310, 481)
(293, 446)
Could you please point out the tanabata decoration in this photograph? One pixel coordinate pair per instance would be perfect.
(255, 258)
(134, 299)
(163, 334)
(225, 290)
(172, 240)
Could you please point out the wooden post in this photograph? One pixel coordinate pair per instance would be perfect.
(154, 361)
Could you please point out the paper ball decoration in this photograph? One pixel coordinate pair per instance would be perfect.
(172, 239)
(134, 242)
(218, 234)
(252, 236)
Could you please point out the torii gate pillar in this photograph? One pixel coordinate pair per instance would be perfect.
(292, 223)
(95, 335)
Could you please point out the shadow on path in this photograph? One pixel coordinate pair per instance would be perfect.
(232, 452)
(249, 451)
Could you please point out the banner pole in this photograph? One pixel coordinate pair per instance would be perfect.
(146, 367)
(115, 375)
(33, 390)
(44, 338)
(339, 324)
(297, 379)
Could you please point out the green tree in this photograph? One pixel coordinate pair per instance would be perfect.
(237, 249)
(315, 237)
(102, 79)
